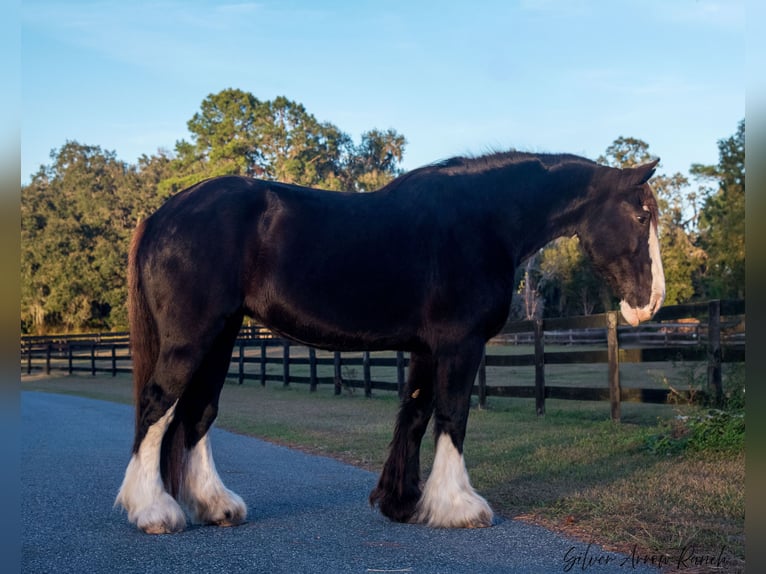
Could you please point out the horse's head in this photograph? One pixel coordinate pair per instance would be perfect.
(620, 237)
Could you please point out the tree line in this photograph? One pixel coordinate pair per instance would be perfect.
(78, 211)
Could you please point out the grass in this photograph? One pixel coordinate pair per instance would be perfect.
(572, 470)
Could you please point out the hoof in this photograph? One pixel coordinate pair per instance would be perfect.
(162, 517)
(227, 509)
(472, 516)
(397, 509)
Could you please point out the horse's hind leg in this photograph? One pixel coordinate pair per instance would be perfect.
(142, 492)
(449, 500)
(398, 489)
(204, 494)
(200, 488)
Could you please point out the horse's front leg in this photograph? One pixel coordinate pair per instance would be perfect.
(398, 489)
(448, 499)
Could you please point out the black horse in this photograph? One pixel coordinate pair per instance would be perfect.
(426, 265)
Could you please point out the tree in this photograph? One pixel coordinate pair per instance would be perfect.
(568, 281)
(235, 133)
(226, 133)
(375, 161)
(74, 232)
(626, 152)
(527, 303)
(722, 219)
(78, 213)
(682, 258)
(299, 149)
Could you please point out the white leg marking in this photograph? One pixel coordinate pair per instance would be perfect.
(449, 500)
(634, 315)
(142, 492)
(204, 494)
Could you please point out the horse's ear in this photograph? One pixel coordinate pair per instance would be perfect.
(643, 173)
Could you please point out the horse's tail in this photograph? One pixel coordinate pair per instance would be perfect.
(145, 349)
(144, 339)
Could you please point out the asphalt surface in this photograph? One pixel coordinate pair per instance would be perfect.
(305, 513)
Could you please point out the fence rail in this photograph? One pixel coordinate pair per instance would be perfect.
(711, 332)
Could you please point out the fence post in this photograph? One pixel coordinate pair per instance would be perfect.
(263, 362)
(29, 357)
(48, 358)
(613, 354)
(69, 356)
(338, 377)
(93, 359)
(114, 360)
(539, 368)
(714, 352)
(400, 373)
(483, 379)
(366, 371)
(285, 363)
(241, 370)
(312, 369)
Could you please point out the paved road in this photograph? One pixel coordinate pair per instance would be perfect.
(306, 513)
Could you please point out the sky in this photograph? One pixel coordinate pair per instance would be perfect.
(454, 78)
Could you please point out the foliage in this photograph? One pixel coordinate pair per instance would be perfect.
(78, 213)
(697, 428)
(682, 258)
(568, 282)
(236, 133)
(376, 158)
(714, 431)
(722, 220)
(626, 152)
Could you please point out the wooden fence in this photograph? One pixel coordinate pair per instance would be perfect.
(711, 332)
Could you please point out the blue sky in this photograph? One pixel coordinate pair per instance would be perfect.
(452, 77)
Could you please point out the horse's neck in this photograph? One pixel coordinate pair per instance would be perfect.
(553, 206)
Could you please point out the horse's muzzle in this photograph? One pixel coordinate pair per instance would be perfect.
(635, 315)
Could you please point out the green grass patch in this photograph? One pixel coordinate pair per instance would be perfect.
(573, 470)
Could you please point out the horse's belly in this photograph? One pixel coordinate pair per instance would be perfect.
(338, 321)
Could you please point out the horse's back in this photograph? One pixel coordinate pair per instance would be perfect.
(323, 267)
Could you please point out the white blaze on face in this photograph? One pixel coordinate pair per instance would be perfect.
(634, 315)
(449, 500)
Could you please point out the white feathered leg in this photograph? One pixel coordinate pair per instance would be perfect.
(204, 494)
(448, 499)
(142, 493)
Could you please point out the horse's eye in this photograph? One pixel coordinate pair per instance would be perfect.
(643, 218)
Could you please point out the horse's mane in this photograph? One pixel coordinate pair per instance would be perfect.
(473, 165)
(496, 160)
